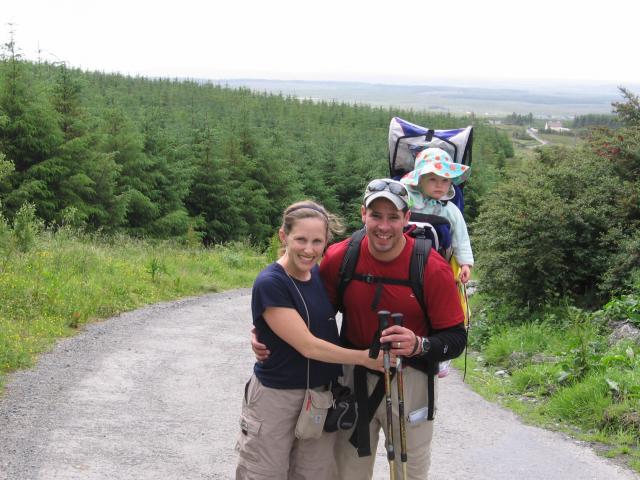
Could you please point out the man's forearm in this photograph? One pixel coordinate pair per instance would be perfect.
(445, 344)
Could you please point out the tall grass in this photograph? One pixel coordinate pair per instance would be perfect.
(564, 372)
(65, 280)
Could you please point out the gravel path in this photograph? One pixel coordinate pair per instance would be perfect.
(155, 394)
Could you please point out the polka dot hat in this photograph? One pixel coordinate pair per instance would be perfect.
(436, 160)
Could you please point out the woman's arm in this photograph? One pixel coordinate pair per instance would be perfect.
(290, 327)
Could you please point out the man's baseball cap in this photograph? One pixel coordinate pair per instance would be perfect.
(387, 188)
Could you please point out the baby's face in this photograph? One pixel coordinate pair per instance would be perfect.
(434, 186)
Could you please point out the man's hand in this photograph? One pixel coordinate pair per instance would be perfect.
(403, 340)
(259, 349)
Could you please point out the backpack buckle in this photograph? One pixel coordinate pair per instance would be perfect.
(368, 278)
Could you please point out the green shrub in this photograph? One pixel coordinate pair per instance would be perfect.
(584, 345)
(582, 403)
(539, 378)
(490, 316)
(626, 307)
(273, 250)
(539, 235)
(26, 227)
(623, 380)
(5, 237)
(515, 345)
(624, 355)
(624, 416)
(623, 272)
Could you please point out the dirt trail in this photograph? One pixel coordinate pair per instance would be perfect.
(155, 394)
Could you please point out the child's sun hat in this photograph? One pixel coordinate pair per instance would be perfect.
(436, 160)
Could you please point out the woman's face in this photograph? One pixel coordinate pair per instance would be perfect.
(434, 186)
(304, 244)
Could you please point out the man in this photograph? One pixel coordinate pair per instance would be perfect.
(385, 253)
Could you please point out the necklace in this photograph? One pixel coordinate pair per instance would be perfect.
(291, 275)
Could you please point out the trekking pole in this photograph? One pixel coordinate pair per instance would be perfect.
(467, 326)
(398, 319)
(383, 318)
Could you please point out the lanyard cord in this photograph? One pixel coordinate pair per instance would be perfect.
(306, 311)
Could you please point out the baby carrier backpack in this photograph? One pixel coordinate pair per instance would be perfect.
(406, 139)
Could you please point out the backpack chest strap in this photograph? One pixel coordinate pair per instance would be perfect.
(379, 282)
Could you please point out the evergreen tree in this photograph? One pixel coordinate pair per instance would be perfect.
(28, 136)
(628, 110)
(135, 181)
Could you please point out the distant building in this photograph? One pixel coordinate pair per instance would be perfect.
(555, 127)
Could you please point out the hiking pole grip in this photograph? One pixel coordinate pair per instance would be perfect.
(383, 318)
(383, 322)
(398, 318)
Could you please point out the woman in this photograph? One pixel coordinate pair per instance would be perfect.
(287, 296)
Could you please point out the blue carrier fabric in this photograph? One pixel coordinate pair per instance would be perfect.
(406, 139)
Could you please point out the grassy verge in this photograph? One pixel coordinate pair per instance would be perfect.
(568, 140)
(66, 280)
(561, 372)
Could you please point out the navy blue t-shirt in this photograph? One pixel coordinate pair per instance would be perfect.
(285, 367)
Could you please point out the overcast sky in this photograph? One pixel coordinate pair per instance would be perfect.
(364, 40)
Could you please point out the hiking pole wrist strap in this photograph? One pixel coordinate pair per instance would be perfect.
(415, 346)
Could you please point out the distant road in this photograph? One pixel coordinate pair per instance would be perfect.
(533, 135)
(155, 394)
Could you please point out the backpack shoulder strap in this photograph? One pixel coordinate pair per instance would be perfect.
(348, 266)
(419, 257)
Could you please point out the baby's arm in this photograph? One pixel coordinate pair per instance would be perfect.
(465, 273)
(460, 242)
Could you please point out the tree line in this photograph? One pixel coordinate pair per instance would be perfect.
(596, 120)
(168, 157)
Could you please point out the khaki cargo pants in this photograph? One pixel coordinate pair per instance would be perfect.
(419, 435)
(267, 446)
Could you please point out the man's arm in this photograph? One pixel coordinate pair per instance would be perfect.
(260, 350)
(447, 335)
(444, 344)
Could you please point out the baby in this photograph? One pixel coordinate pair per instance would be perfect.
(430, 186)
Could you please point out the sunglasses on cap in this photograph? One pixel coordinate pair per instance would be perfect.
(382, 184)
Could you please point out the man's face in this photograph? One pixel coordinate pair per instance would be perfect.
(384, 224)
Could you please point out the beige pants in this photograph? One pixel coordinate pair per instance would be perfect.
(419, 435)
(267, 446)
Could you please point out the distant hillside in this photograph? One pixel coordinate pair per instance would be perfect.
(543, 101)
(187, 159)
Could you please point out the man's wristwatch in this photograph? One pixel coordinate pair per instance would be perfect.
(425, 345)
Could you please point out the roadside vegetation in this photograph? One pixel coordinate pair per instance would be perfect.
(565, 369)
(555, 333)
(52, 282)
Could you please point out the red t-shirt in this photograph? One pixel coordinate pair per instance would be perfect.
(440, 292)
